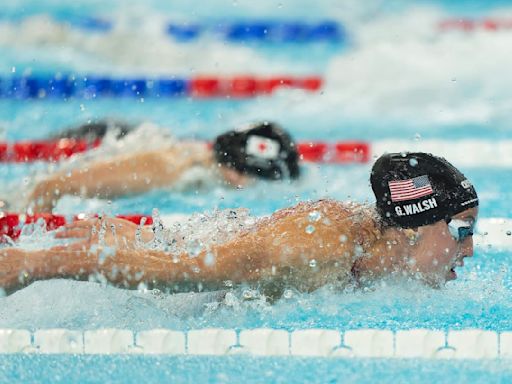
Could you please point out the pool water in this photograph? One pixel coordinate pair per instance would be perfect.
(125, 369)
(396, 76)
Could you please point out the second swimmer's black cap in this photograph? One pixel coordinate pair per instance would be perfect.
(264, 150)
(415, 189)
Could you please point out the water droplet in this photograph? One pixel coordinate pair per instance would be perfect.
(417, 137)
(82, 107)
(194, 248)
(288, 294)
(209, 259)
(403, 154)
(509, 233)
(314, 216)
(312, 263)
(247, 294)
(413, 162)
(310, 229)
(142, 287)
(13, 69)
(343, 238)
(358, 250)
(228, 283)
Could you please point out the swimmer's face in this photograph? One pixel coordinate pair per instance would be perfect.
(233, 177)
(437, 253)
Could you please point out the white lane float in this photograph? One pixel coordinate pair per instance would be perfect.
(472, 344)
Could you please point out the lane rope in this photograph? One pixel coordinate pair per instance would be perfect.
(475, 344)
(491, 233)
(268, 31)
(484, 153)
(64, 86)
(472, 25)
(51, 150)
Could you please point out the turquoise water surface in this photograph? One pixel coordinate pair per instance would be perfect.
(396, 77)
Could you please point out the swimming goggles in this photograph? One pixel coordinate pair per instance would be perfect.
(460, 229)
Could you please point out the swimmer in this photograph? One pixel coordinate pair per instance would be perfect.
(420, 227)
(262, 150)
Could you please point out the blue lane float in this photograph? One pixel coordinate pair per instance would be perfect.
(89, 87)
(263, 31)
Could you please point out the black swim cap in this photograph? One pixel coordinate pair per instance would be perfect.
(264, 150)
(96, 130)
(415, 189)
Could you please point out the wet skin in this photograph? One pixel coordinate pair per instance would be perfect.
(438, 253)
(347, 244)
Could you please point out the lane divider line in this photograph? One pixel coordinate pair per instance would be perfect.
(488, 24)
(61, 86)
(484, 153)
(474, 344)
(268, 31)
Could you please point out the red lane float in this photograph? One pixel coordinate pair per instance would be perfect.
(11, 223)
(248, 86)
(28, 151)
(340, 153)
(470, 25)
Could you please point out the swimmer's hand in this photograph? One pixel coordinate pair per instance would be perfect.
(13, 267)
(109, 232)
(44, 195)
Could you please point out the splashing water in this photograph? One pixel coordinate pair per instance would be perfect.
(200, 231)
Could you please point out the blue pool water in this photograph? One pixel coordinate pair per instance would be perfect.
(230, 369)
(397, 77)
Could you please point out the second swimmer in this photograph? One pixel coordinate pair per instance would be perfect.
(263, 150)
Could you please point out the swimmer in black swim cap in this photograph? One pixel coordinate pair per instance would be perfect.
(421, 228)
(263, 151)
(427, 194)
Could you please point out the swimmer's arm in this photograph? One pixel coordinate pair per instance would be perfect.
(277, 244)
(136, 173)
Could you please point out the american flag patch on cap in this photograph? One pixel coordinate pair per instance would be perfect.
(410, 189)
(262, 147)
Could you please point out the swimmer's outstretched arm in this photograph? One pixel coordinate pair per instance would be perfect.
(121, 175)
(278, 247)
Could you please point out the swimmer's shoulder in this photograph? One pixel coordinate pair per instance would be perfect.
(357, 221)
(327, 208)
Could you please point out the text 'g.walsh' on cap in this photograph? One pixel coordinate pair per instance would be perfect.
(415, 189)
